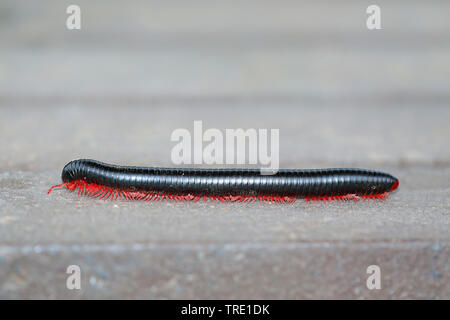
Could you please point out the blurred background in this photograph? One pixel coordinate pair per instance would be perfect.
(341, 95)
(117, 88)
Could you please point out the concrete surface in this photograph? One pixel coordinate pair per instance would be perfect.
(114, 91)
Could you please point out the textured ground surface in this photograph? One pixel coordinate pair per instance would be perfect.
(341, 96)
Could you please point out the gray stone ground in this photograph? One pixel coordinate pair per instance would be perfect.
(341, 96)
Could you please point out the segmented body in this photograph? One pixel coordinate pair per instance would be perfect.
(108, 181)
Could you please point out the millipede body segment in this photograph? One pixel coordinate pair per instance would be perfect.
(106, 181)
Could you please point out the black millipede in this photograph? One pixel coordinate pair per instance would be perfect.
(106, 181)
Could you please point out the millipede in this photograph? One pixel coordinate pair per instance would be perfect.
(106, 181)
